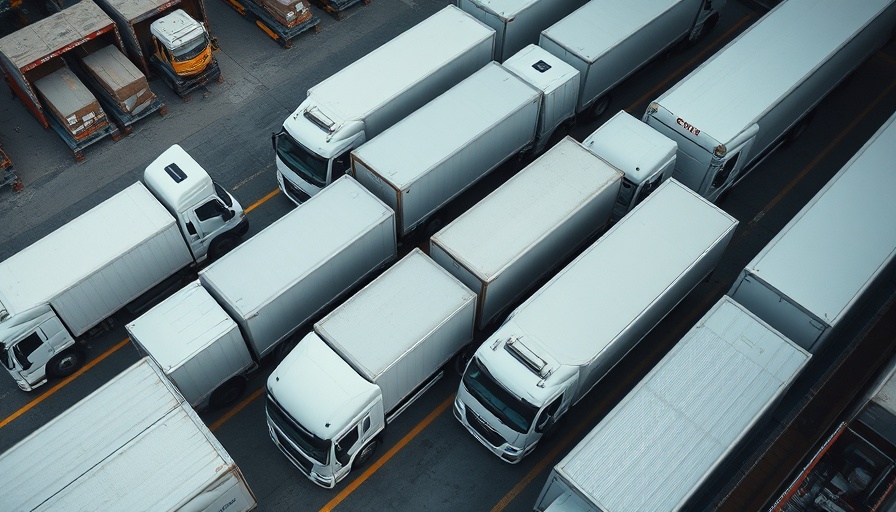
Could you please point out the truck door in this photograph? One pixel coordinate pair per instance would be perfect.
(344, 448)
(729, 172)
(203, 221)
(30, 355)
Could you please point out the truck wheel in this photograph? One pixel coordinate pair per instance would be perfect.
(227, 393)
(600, 106)
(66, 363)
(366, 453)
(221, 246)
(463, 357)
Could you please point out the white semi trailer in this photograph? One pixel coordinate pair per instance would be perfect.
(655, 449)
(207, 336)
(373, 93)
(820, 269)
(500, 249)
(449, 144)
(128, 249)
(330, 399)
(133, 444)
(517, 23)
(608, 40)
(564, 339)
(760, 90)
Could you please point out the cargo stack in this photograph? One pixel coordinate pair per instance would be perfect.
(291, 13)
(72, 103)
(126, 85)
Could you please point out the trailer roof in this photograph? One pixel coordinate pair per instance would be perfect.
(655, 447)
(255, 272)
(443, 126)
(600, 25)
(649, 249)
(131, 443)
(134, 9)
(499, 229)
(393, 314)
(392, 68)
(182, 325)
(734, 88)
(77, 23)
(832, 249)
(37, 274)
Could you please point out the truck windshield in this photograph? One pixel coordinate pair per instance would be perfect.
(511, 410)
(4, 357)
(316, 448)
(191, 49)
(223, 195)
(303, 162)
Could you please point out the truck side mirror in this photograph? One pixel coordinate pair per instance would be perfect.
(227, 215)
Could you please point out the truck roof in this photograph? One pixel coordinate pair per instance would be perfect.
(491, 235)
(631, 145)
(665, 437)
(331, 392)
(182, 325)
(598, 26)
(446, 124)
(846, 230)
(176, 29)
(294, 245)
(374, 328)
(37, 274)
(620, 276)
(552, 74)
(734, 88)
(30, 44)
(504, 9)
(131, 443)
(387, 71)
(177, 179)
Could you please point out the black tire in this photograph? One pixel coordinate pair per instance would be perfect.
(463, 357)
(66, 363)
(227, 393)
(432, 227)
(221, 246)
(599, 106)
(366, 453)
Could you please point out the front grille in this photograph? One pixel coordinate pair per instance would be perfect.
(294, 455)
(483, 428)
(295, 192)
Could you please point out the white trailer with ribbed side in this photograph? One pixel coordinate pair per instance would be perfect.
(329, 401)
(527, 375)
(207, 336)
(667, 436)
(507, 242)
(760, 90)
(826, 263)
(133, 444)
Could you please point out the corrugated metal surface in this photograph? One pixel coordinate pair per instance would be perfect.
(665, 437)
(131, 445)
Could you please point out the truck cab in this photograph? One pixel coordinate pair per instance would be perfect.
(334, 418)
(313, 149)
(181, 51)
(510, 395)
(209, 217)
(646, 156)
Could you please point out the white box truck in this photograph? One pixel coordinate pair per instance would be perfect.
(818, 270)
(500, 249)
(330, 399)
(446, 146)
(133, 444)
(646, 156)
(563, 339)
(608, 40)
(127, 250)
(759, 91)
(207, 336)
(656, 448)
(517, 23)
(373, 93)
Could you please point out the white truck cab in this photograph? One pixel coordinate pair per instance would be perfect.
(66, 285)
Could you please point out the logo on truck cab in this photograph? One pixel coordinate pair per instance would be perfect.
(687, 126)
